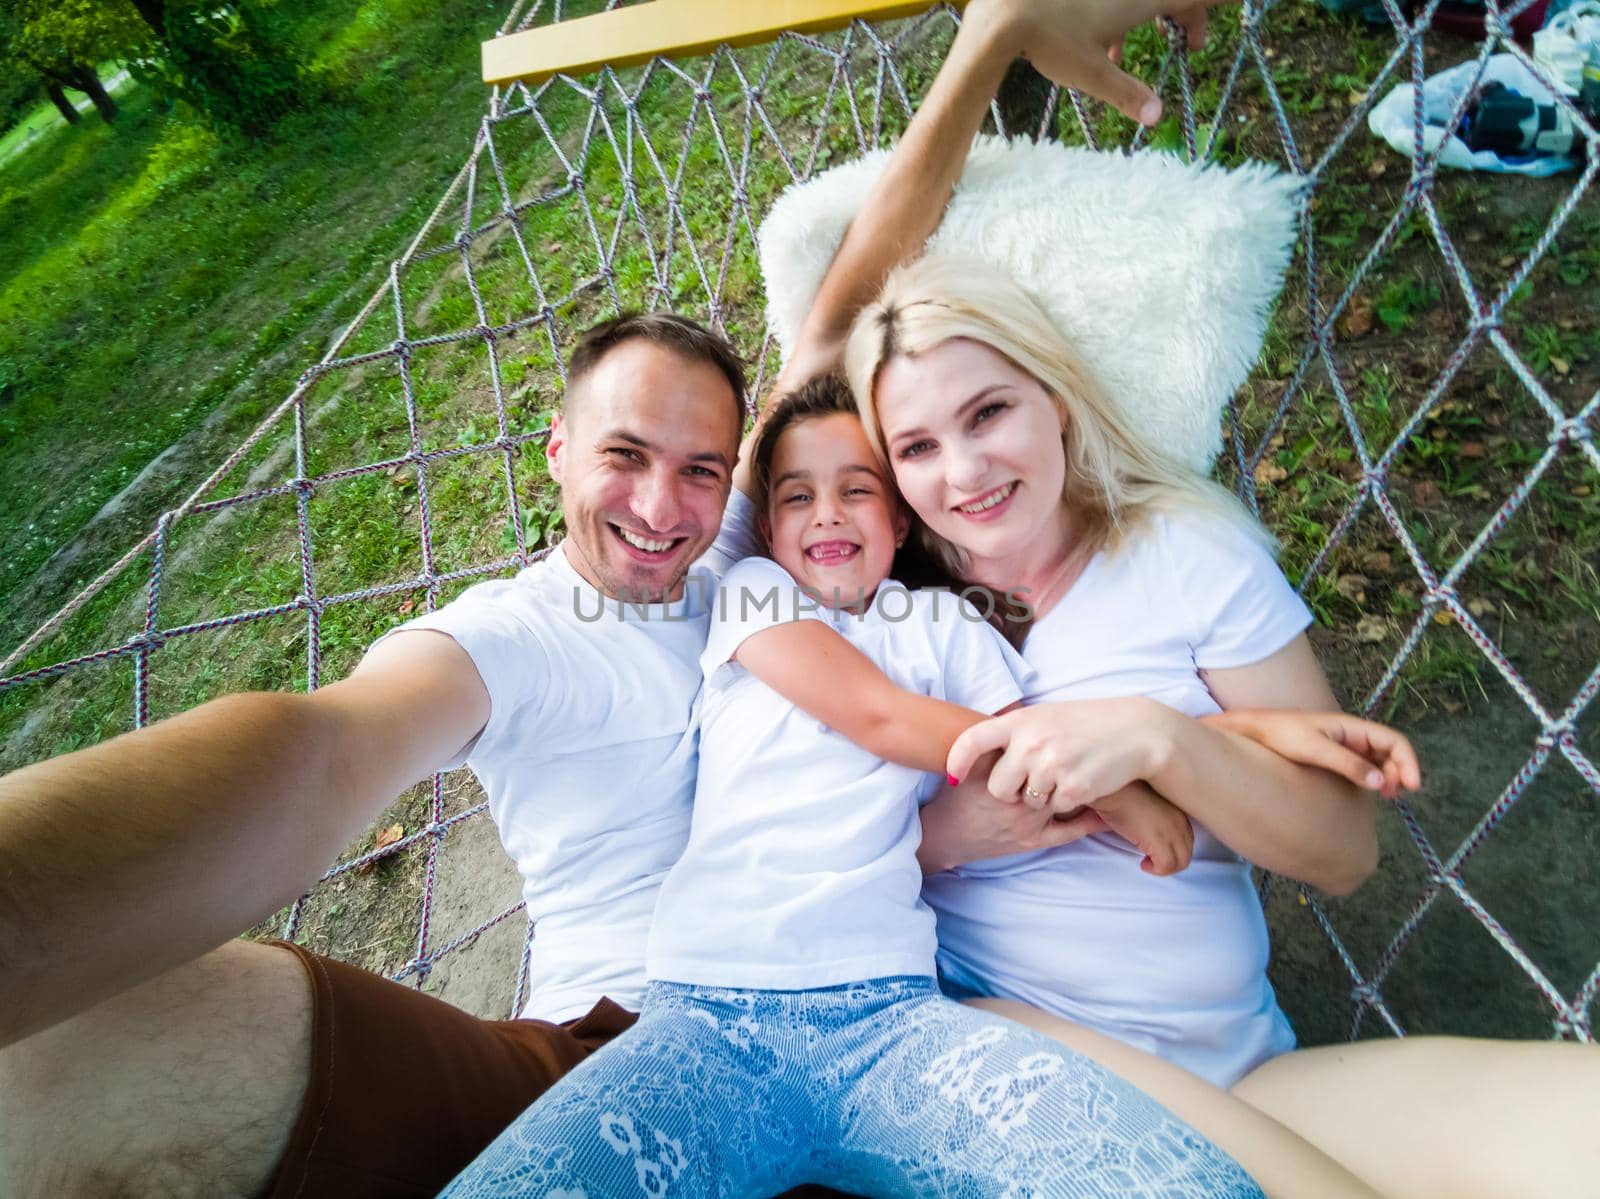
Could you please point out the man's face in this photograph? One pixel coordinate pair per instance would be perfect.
(644, 457)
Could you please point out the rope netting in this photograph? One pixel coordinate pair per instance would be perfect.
(1417, 432)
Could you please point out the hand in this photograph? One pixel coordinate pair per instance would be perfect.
(966, 824)
(1369, 755)
(1141, 817)
(1064, 756)
(1073, 43)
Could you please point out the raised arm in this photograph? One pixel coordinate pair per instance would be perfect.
(1067, 40)
(125, 859)
(823, 675)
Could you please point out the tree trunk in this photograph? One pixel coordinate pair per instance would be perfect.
(87, 80)
(154, 14)
(63, 105)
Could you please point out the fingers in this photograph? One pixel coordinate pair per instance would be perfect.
(1383, 747)
(980, 739)
(1095, 74)
(1064, 831)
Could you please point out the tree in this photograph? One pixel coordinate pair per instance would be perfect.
(62, 40)
(223, 58)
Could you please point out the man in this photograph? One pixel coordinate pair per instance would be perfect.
(151, 1053)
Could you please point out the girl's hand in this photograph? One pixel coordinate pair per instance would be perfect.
(1141, 817)
(1064, 756)
(1369, 755)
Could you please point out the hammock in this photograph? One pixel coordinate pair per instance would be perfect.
(616, 177)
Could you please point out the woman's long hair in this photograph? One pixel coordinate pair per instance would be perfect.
(1115, 479)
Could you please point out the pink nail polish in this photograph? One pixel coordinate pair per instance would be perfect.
(952, 780)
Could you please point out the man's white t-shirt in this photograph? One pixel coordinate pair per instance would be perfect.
(588, 757)
(1173, 965)
(801, 868)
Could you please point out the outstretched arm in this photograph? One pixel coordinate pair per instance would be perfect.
(128, 858)
(1067, 40)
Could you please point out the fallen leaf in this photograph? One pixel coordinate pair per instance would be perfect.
(1560, 365)
(1566, 323)
(385, 838)
(1474, 235)
(1371, 629)
(1270, 472)
(1452, 707)
(1357, 319)
(1582, 489)
(406, 608)
(1444, 617)
(1480, 607)
(1376, 167)
(1426, 493)
(1377, 563)
(1508, 260)
(1471, 449)
(1352, 587)
(1356, 97)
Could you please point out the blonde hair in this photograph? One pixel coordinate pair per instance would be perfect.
(1115, 479)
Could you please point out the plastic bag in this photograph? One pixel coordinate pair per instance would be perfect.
(1391, 117)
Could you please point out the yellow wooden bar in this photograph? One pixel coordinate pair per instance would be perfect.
(625, 37)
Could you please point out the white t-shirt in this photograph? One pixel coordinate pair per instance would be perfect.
(1173, 965)
(801, 869)
(588, 757)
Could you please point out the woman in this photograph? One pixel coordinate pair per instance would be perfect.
(1147, 583)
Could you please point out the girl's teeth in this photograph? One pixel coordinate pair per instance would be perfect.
(653, 547)
(984, 505)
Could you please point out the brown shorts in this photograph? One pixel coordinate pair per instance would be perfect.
(406, 1089)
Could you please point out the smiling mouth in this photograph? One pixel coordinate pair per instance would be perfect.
(832, 553)
(647, 548)
(985, 502)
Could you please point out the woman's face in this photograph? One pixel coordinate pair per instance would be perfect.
(975, 445)
(832, 518)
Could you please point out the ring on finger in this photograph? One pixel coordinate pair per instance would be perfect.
(1031, 793)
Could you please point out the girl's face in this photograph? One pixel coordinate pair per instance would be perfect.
(975, 445)
(832, 518)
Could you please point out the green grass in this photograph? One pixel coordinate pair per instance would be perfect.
(162, 274)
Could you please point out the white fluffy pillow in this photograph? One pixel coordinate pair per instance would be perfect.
(1162, 274)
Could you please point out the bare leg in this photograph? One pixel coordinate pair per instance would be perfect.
(186, 1085)
(1286, 1166)
(1430, 1116)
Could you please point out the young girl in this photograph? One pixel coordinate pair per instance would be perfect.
(793, 1031)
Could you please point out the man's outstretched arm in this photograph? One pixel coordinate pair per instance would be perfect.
(123, 860)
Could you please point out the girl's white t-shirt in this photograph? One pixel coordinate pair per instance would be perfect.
(801, 867)
(1176, 965)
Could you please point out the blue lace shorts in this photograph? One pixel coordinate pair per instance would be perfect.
(877, 1088)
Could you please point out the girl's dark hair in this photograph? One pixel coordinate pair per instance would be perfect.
(914, 566)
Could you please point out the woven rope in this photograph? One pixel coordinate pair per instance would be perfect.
(624, 182)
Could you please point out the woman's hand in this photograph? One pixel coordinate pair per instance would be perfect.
(1075, 42)
(1368, 754)
(1063, 756)
(967, 824)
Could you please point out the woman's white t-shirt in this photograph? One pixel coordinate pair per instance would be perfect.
(801, 867)
(1176, 965)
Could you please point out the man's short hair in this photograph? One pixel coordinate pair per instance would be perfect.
(668, 330)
